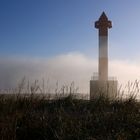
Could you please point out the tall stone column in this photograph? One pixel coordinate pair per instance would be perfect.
(103, 85)
(103, 24)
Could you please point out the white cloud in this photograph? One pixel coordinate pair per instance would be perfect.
(64, 69)
(125, 70)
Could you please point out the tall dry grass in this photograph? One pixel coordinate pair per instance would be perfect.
(36, 117)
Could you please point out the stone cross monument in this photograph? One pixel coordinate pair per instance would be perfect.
(102, 85)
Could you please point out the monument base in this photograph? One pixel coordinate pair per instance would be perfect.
(103, 88)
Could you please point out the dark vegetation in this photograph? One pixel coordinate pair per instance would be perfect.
(38, 118)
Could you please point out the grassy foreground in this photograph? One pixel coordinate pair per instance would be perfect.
(67, 118)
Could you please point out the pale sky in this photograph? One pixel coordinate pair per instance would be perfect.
(35, 32)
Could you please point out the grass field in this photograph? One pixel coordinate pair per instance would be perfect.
(38, 118)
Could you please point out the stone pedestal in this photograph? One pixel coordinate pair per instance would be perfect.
(103, 88)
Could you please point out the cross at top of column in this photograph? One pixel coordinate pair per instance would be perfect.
(103, 24)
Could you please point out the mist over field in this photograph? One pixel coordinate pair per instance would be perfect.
(63, 69)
